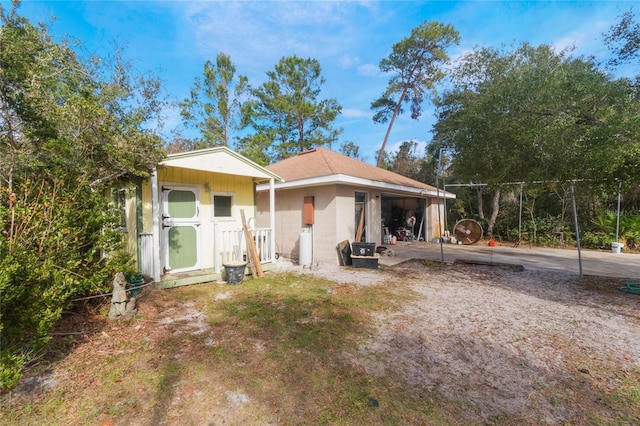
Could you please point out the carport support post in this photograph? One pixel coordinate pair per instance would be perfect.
(618, 215)
(575, 220)
(438, 197)
(520, 214)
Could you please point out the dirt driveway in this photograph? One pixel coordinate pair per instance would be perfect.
(507, 342)
(537, 345)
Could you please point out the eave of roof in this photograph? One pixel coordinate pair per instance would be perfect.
(324, 167)
(220, 159)
(340, 179)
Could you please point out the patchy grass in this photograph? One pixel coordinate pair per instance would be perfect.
(274, 350)
(277, 350)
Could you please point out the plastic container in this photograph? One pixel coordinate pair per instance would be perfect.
(363, 249)
(617, 247)
(234, 272)
(369, 262)
(134, 284)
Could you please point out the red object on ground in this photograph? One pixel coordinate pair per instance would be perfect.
(492, 243)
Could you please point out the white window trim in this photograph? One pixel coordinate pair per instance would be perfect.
(234, 209)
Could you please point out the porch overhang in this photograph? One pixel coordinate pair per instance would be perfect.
(220, 159)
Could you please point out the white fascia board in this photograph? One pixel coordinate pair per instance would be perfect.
(342, 179)
(219, 160)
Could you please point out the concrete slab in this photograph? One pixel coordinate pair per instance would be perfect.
(601, 263)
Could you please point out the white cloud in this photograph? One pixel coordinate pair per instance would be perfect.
(348, 61)
(255, 33)
(355, 113)
(369, 70)
(421, 145)
(586, 39)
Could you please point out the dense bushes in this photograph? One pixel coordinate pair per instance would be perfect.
(548, 210)
(56, 235)
(69, 130)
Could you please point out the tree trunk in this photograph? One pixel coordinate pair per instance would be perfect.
(396, 111)
(494, 212)
(480, 193)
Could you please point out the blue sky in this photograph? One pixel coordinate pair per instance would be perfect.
(173, 39)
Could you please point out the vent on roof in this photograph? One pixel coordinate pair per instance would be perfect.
(307, 152)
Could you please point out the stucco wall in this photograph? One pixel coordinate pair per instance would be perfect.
(334, 219)
(289, 221)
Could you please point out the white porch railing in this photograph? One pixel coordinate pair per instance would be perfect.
(227, 247)
(262, 237)
(230, 245)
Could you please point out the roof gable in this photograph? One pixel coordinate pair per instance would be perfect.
(220, 159)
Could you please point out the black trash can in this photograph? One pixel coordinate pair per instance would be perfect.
(234, 271)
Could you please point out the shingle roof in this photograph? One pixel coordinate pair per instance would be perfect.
(320, 162)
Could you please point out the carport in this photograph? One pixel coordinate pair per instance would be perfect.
(401, 212)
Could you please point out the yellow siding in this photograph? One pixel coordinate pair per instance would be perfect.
(147, 209)
(242, 186)
(208, 183)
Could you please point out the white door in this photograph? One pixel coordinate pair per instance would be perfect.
(180, 228)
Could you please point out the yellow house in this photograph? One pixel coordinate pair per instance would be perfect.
(184, 222)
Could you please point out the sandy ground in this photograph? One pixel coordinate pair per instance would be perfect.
(500, 341)
(531, 347)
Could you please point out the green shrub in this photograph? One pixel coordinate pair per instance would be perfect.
(628, 227)
(10, 368)
(55, 253)
(78, 126)
(595, 240)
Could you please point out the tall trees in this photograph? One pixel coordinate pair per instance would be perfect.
(214, 105)
(623, 39)
(415, 65)
(69, 129)
(350, 149)
(532, 114)
(407, 162)
(286, 113)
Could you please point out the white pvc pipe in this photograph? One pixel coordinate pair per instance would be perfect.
(155, 214)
